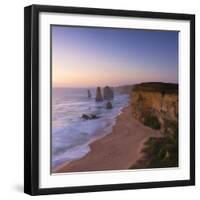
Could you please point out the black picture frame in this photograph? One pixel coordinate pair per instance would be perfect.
(31, 98)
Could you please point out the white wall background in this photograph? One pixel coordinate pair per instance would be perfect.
(11, 98)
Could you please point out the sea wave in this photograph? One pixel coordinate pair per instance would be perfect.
(71, 135)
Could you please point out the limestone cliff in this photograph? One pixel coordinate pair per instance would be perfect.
(155, 104)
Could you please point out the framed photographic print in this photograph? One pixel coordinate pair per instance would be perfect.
(109, 100)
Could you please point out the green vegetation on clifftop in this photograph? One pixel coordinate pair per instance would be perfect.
(160, 152)
(152, 121)
(156, 87)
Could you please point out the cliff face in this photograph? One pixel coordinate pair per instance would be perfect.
(156, 105)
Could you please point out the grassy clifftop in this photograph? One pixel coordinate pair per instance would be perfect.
(156, 87)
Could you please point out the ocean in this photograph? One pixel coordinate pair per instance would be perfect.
(71, 135)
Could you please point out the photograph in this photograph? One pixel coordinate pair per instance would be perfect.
(109, 99)
(114, 99)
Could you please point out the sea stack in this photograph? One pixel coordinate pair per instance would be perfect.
(108, 93)
(98, 94)
(89, 94)
(109, 105)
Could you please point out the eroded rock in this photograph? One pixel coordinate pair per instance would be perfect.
(98, 94)
(109, 105)
(108, 93)
(89, 116)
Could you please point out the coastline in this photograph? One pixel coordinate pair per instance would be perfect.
(116, 151)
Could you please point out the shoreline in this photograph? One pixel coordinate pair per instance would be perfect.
(118, 150)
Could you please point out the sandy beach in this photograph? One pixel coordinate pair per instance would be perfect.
(116, 151)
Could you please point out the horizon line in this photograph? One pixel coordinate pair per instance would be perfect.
(85, 87)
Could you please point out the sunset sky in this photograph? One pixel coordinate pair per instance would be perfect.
(90, 57)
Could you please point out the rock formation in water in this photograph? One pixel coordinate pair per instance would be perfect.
(108, 93)
(98, 94)
(89, 94)
(89, 116)
(156, 105)
(109, 105)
